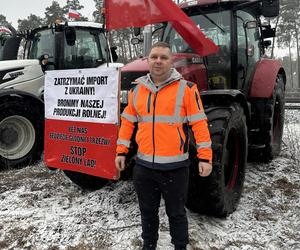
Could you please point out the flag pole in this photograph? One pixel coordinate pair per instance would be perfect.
(108, 54)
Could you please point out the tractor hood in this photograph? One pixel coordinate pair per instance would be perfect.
(189, 65)
(17, 63)
(18, 71)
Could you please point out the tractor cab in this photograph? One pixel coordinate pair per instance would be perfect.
(236, 28)
(73, 45)
(70, 45)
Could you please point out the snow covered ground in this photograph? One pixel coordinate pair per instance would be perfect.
(42, 209)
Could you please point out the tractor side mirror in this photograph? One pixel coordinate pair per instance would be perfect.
(70, 34)
(136, 31)
(268, 32)
(267, 43)
(114, 54)
(270, 8)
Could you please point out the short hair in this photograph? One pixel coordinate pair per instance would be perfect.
(160, 44)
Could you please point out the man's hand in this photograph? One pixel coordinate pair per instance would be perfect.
(120, 162)
(205, 168)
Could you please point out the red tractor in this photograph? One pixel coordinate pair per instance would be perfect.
(242, 91)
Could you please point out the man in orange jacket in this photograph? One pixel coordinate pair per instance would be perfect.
(164, 105)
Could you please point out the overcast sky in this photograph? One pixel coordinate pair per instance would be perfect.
(21, 9)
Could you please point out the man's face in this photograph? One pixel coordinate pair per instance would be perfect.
(160, 62)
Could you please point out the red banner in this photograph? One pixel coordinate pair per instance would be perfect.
(83, 147)
(139, 13)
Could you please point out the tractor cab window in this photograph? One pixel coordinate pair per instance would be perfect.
(3, 38)
(2, 42)
(248, 46)
(215, 26)
(87, 51)
(42, 44)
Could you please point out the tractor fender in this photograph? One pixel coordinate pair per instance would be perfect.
(226, 96)
(22, 94)
(264, 78)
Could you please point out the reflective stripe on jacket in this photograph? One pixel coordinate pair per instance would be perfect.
(163, 114)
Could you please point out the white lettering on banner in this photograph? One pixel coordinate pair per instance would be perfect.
(71, 159)
(83, 139)
(83, 95)
(78, 130)
(78, 161)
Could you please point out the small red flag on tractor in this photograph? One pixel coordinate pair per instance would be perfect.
(73, 14)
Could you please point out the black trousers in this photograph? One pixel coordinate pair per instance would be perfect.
(172, 185)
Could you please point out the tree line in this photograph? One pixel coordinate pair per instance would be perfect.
(288, 35)
(52, 13)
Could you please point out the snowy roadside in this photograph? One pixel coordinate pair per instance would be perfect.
(42, 209)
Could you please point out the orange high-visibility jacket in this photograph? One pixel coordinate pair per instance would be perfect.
(163, 114)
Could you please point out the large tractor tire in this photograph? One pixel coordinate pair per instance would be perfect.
(219, 193)
(86, 182)
(21, 132)
(272, 130)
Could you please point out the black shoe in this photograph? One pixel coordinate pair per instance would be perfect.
(180, 248)
(149, 247)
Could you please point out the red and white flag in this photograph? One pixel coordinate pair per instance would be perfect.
(138, 13)
(4, 30)
(74, 14)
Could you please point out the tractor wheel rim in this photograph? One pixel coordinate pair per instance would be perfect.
(17, 137)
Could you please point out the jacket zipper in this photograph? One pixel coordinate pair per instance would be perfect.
(153, 123)
(149, 102)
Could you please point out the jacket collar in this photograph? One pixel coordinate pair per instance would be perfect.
(149, 84)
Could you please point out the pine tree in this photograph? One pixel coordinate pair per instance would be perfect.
(288, 28)
(31, 22)
(72, 4)
(99, 4)
(54, 13)
(3, 21)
